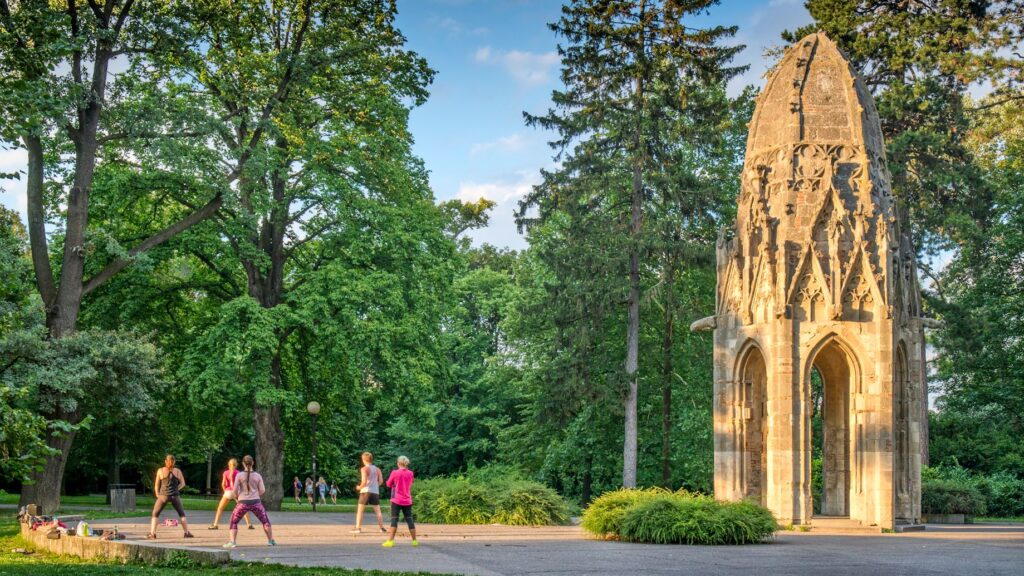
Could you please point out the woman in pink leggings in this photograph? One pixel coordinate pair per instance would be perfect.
(248, 489)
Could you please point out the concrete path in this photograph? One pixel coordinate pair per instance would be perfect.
(323, 540)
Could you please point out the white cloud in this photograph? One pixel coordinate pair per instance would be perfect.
(506, 194)
(527, 68)
(512, 143)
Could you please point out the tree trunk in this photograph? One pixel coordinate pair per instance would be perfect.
(270, 452)
(667, 374)
(209, 472)
(46, 484)
(629, 448)
(588, 480)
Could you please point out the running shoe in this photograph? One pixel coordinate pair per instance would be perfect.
(356, 531)
(213, 527)
(388, 544)
(252, 526)
(415, 543)
(189, 535)
(150, 536)
(230, 545)
(271, 543)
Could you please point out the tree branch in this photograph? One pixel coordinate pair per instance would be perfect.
(37, 222)
(209, 209)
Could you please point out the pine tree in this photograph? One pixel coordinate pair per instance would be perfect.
(625, 66)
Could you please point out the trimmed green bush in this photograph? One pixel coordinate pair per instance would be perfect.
(662, 517)
(488, 498)
(604, 515)
(942, 496)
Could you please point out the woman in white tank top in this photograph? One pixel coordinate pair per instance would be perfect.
(369, 492)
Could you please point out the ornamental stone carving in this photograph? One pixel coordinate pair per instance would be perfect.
(816, 283)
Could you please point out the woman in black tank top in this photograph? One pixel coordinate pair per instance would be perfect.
(167, 489)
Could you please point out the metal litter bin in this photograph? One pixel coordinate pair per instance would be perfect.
(122, 497)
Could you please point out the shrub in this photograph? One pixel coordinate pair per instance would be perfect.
(663, 517)
(483, 497)
(604, 515)
(942, 496)
(1006, 495)
(530, 504)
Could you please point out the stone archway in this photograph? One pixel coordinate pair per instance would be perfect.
(836, 366)
(901, 433)
(754, 391)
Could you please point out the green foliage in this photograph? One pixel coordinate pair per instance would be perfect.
(953, 487)
(659, 516)
(604, 515)
(487, 497)
(947, 496)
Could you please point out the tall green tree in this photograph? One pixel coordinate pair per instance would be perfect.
(626, 67)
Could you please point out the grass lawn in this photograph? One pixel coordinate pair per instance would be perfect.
(45, 564)
(144, 502)
(997, 520)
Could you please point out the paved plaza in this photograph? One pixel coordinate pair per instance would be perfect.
(323, 540)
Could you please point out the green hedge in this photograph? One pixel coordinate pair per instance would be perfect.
(487, 498)
(659, 516)
(951, 497)
(952, 487)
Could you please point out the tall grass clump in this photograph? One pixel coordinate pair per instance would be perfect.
(662, 517)
(488, 497)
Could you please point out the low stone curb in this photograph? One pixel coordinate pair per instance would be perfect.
(120, 549)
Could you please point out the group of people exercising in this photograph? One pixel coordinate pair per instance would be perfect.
(246, 487)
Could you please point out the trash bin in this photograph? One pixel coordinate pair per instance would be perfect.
(122, 497)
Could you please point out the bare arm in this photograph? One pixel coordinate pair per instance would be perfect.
(156, 485)
(181, 478)
(364, 478)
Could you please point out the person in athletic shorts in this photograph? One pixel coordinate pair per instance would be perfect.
(227, 484)
(369, 492)
(167, 489)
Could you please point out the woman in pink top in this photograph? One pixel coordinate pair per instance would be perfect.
(400, 482)
(227, 484)
(248, 489)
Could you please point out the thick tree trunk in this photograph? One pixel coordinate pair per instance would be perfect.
(270, 453)
(209, 472)
(46, 484)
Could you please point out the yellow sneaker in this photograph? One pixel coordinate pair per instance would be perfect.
(388, 544)
(415, 543)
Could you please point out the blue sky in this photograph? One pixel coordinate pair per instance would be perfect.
(494, 59)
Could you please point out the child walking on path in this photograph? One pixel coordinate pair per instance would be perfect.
(248, 489)
(227, 484)
(400, 482)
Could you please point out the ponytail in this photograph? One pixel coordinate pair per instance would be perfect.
(247, 463)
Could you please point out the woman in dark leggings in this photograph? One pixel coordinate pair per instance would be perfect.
(167, 489)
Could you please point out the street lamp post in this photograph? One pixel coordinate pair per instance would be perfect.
(314, 408)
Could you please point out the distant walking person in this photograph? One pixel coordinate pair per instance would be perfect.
(400, 482)
(369, 492)
(167, 489)
(309, 490)
(334, 493)
(248, 489)
(321, 488)
(297, 484)
(227, 484)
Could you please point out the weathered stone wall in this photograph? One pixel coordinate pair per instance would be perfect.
(816, 272)
(119, 550)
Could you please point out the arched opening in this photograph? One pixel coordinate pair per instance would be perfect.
(830, 386)
(754, 391)
(901, 434)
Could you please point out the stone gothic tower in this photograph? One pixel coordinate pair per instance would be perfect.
(818, 324)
